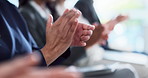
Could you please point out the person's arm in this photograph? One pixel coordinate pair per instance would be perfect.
(88, 11)
(109, 26)
(24, 67)
(113, 22)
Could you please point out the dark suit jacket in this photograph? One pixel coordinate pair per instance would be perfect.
(15, 38)
(35, 22)
(88, 11)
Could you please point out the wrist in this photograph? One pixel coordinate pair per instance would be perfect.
(47, 53)
(51, 54)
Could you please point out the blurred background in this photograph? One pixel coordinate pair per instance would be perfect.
(130, 35)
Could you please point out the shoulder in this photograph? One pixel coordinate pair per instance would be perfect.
(27, 11)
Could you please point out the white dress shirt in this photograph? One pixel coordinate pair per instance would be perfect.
(61, 8)
(43, 12)
(14, 2)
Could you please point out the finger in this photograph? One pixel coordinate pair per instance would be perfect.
(76, 15)
(63, 15)
(50, 74)
(55, 68)
(73, 21)
(65, 19)
(87, 32)
(91, 27)
(82, 43)
(29, 60)
(49, 22)
(59, 21)
(24, 62)
(88, 27)
(71, 31)
(79, 12)
(66, 11)
(121, 18)
(19, 64)
(85, 38)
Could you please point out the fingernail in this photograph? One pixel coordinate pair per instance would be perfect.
(76, 20)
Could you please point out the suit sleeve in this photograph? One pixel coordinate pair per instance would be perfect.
(88, 11)
(62, 58)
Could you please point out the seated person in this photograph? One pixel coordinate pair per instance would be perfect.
(36, 15)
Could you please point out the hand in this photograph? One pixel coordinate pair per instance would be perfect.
(121, 18)
(59, 36)
(82, 34)
(109, 26)
(24, 68)
(96, 36)
(16, 67)
(113, 22)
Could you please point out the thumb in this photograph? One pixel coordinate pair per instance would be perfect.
(49, 21)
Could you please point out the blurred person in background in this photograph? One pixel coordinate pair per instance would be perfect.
(36, 14)
(52, 7)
